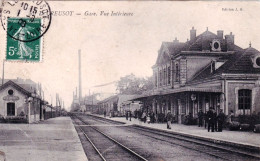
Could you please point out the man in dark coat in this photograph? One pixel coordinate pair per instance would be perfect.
(200, 117)
(221, 119)
(152, 117)
(211, 119)
(130, 115)
(206, 119)
(126, 115)
(140, 115)
(215, 119)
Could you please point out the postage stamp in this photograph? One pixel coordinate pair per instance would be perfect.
(25, 22)
(17, 49)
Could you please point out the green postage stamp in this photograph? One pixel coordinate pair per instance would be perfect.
(20, 30)
(25, 22)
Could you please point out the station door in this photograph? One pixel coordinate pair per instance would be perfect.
(10, 109)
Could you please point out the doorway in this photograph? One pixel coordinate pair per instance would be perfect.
(10, 109)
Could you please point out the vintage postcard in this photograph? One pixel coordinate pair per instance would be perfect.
(129, 80)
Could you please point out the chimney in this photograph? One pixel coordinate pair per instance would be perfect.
(230, 41)
(220, 34)
(192, 34)
(176, 40)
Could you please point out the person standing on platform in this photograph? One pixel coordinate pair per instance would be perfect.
(126, 115)
(200, 117)
(148, 118)
(221, 119)
(136, 114)
(206, 119)
(144, 116)
(152, 117)
(140, 115)
(105, 113)
(211, 118)
(215, 119)
(230, 116)
(130, 115)
(169, 119)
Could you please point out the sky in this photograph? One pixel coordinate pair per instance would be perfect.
(115, 46)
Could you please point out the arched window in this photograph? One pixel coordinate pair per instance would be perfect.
(244, 99)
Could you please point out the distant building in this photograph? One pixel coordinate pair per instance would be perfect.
(131, 106)
(209, 70)
(88, 103)
(50, 112)
(114, 103)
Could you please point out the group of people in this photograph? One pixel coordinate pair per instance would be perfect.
(212, 120)
(145, 116)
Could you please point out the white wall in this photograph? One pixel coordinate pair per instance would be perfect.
(19, 104)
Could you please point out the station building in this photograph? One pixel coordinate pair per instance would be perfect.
(209, 70)
(20, 97)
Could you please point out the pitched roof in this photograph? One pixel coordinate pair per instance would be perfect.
(26, 84)
(239, 62)
(123, 98)
(201, 42)
(117, 98)
(111, 98)
(204, 73)
(206, 36)
(173, 47)
(18, 87)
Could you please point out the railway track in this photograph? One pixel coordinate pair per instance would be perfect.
(105, 147)
(215, 150)
(211, 148)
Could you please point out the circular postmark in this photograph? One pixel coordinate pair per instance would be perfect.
(25, 21)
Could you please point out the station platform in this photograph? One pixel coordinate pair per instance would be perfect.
(239, 138)
(53, 139)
